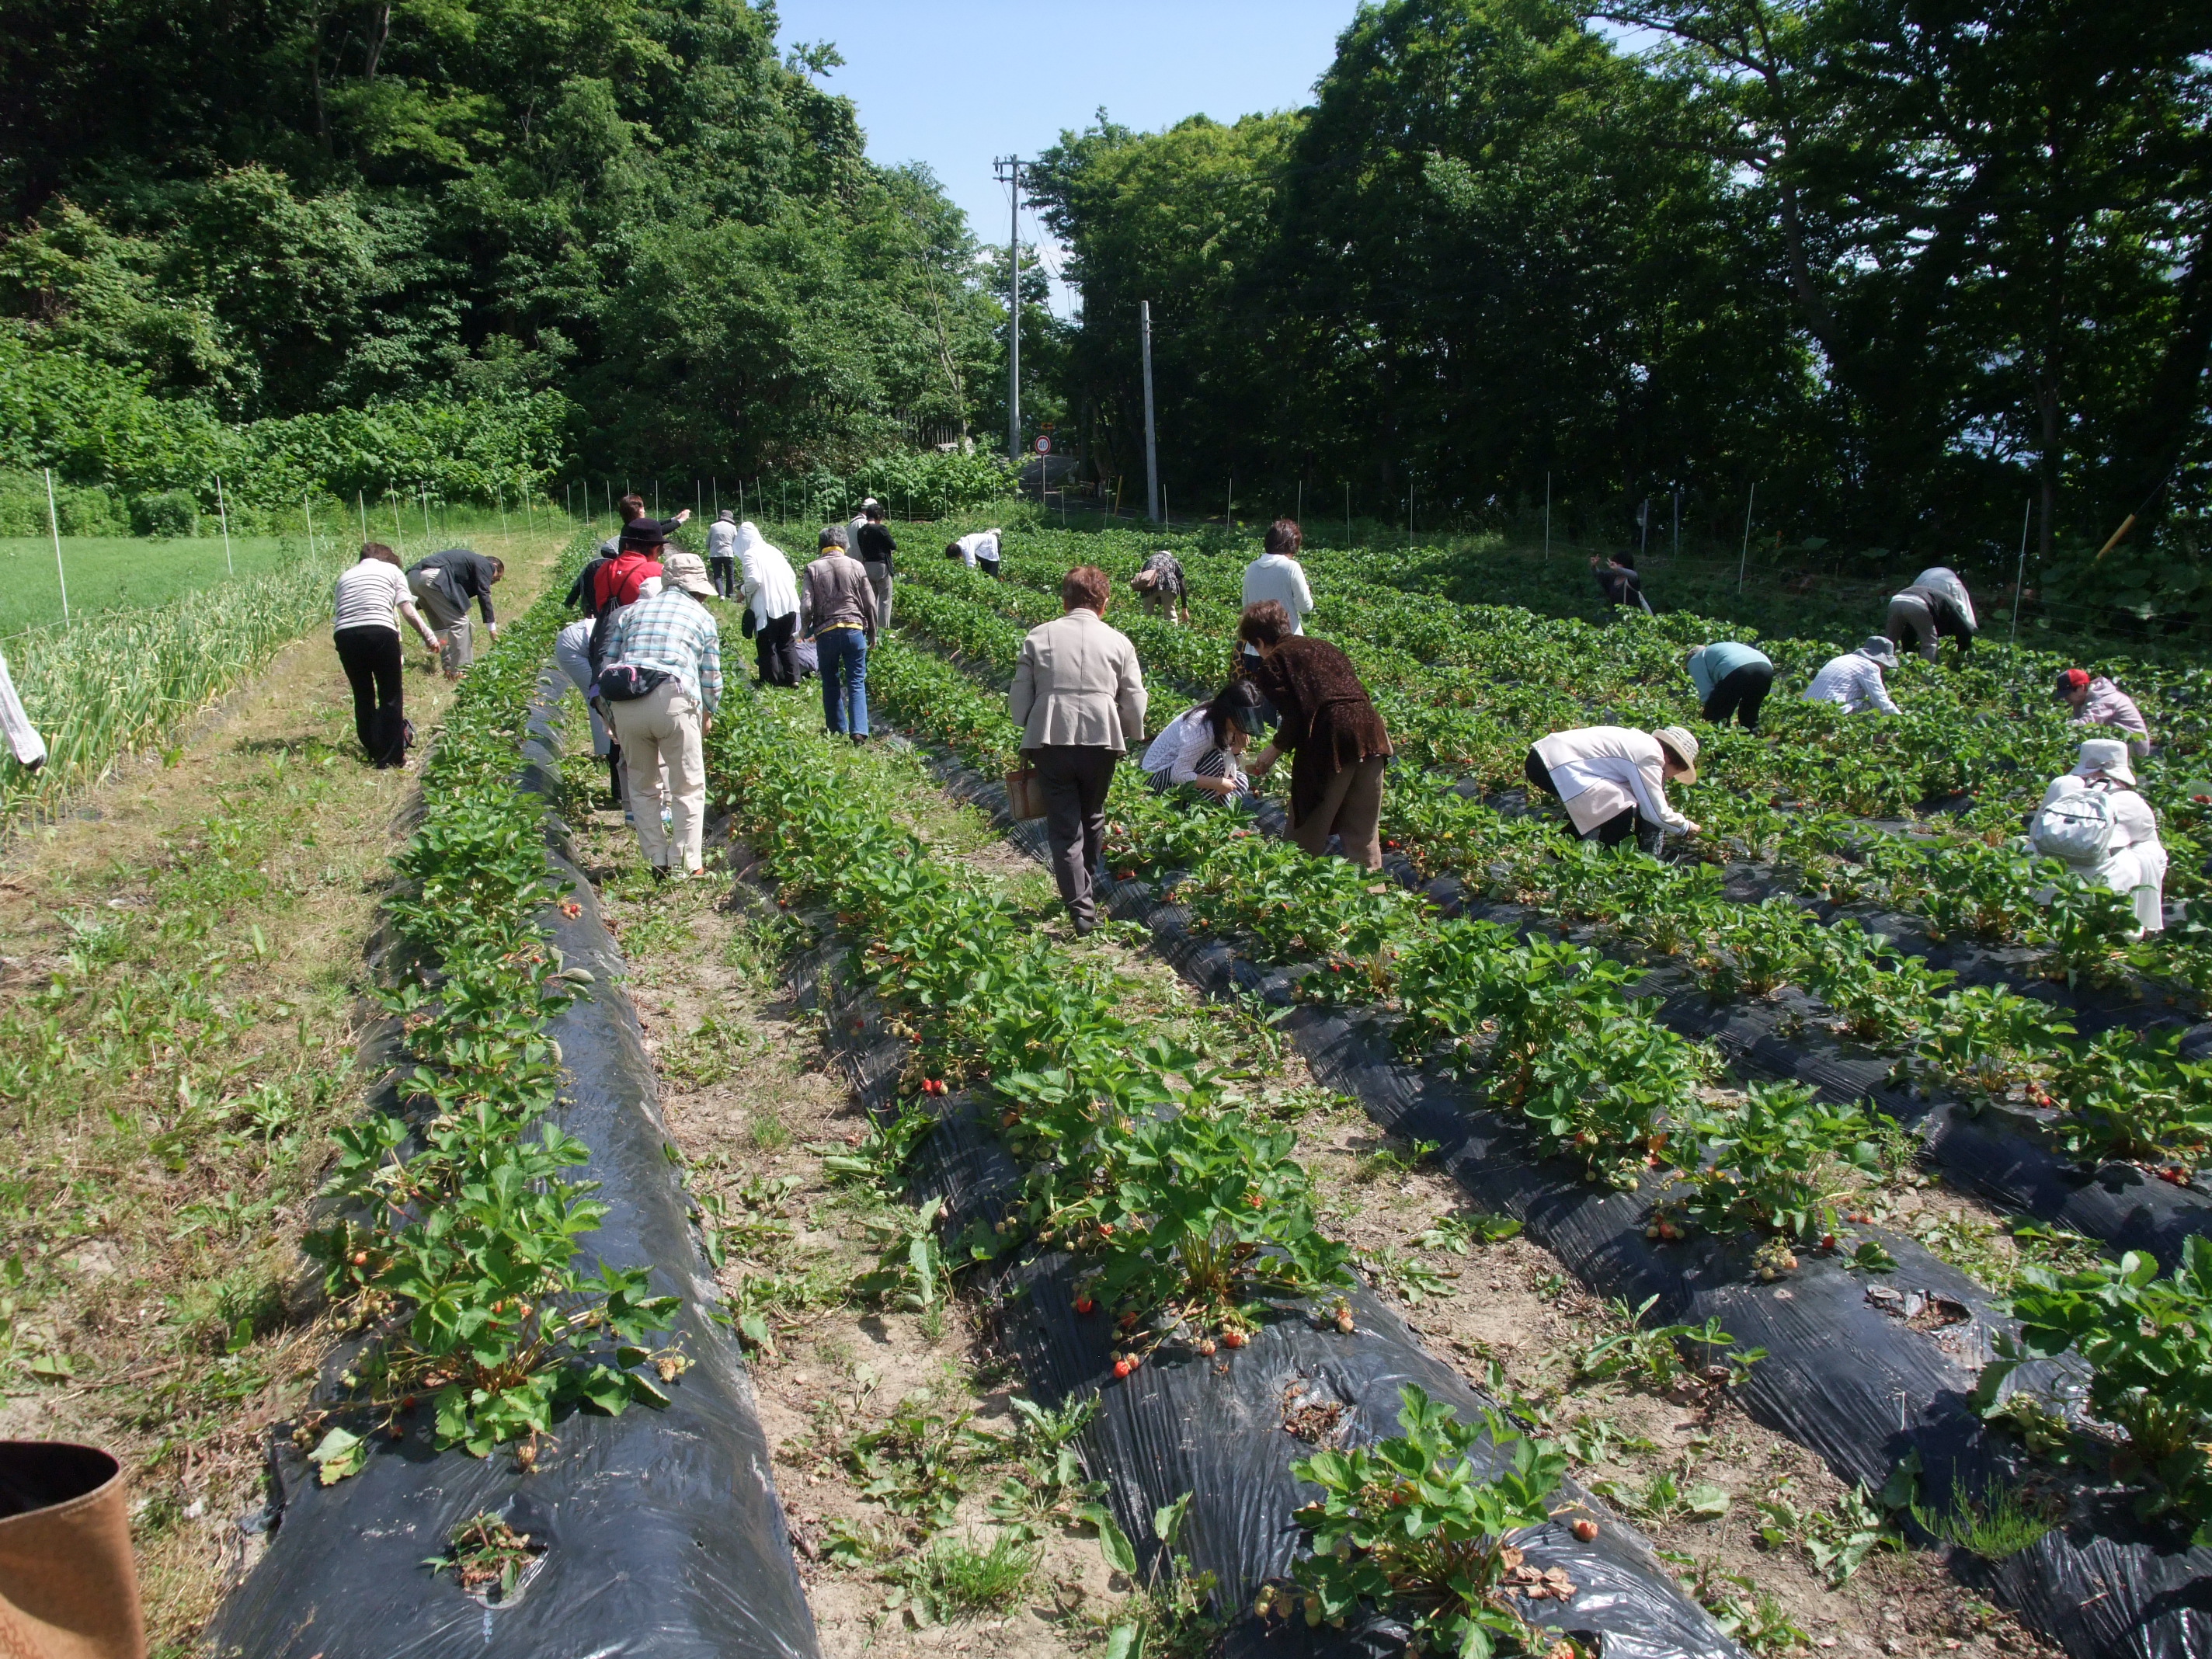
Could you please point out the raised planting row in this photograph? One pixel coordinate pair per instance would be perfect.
(465, 1484)
(1486, 682)
(1760, 1189)
(1882, 1018)
(1150, 1240)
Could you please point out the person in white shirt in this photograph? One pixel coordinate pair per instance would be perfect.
(771, 592)
(1613, 781)
(978, 551)
(366, 636)
(1201, 746)
(1853, 681)
(2092, 820)
(24, 742)
(1277, 575)
(722, 554)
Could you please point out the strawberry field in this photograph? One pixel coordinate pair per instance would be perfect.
(1741, 1060)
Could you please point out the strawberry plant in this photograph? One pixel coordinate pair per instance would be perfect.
(1198, 1213)
(1423, 1527)
(1983, 1040)
(2148, 1339)
(1774, 1161)
(2125, 1096)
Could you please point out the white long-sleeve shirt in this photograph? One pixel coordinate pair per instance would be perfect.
(1177, 750)
(23, 739)
(1601, 771)
(979, 545)
(1853, 681)
(770, 587)
(1281, 578)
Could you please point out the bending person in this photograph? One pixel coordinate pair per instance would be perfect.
(1853, 681)
(1331, 728)
(2096, 700)
(1200, 746)
(1731, 679)
(443, 584)
(364, 630)
(1936, 606)
(1613, 781)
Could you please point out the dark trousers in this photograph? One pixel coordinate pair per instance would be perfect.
(773, 652)
(370, 657)
(1075, 782)
(723, 574)
(1739, 693)
(1615, 830)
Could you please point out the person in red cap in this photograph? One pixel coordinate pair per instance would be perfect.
(2096, 700)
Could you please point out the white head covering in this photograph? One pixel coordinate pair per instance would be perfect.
(749, 537)
(1941, 579)
(2108, 756)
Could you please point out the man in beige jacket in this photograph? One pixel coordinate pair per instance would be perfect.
(1078, 697)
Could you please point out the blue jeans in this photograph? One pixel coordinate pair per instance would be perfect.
(842, 653)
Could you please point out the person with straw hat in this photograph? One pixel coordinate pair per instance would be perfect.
(1613, 781)
(2094, 821)
(1853, 681)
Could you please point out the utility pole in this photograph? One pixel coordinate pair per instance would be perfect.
(1153, 506)
(1008, 171)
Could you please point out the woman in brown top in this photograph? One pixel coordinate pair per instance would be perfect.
(1332, 729)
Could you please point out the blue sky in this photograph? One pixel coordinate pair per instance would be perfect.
(956, 85)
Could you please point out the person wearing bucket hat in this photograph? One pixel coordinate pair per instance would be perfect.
(1613, 781)
(662, 682)
(1853, 681)
(2094, 821)
(2096, 700)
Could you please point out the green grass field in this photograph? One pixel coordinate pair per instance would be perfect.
(120, 573)
(133, 573)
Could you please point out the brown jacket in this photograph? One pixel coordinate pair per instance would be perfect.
(1328, 723)
(836, 594)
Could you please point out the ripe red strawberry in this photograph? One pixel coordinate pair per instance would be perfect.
(1585, 1529)
(1232, 1339)
(1084, 1304)
(1123, 1367)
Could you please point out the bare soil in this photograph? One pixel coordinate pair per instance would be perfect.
(754, 1104)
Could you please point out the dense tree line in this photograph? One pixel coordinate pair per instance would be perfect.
(279, 208)
(1908, 266)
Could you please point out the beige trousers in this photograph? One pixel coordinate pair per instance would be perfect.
(1350, 807)
(663, 730)
(456, 636)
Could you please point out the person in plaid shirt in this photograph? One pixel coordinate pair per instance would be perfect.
(673, 634)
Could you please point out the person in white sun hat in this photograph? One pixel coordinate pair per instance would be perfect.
(1613, 781)
(2094, 822)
